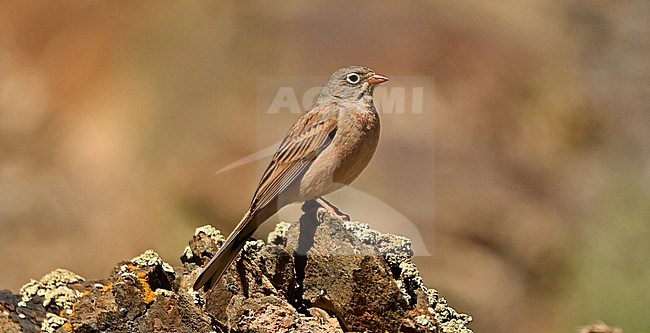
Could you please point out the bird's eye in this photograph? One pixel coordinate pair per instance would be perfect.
(353, 78)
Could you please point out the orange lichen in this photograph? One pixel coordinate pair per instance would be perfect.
(71, 312)
(107, 288)
(67, 327)
(148, 295)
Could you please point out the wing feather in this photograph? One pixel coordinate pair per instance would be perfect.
(312, 133)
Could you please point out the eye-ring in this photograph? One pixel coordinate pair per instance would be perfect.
(353, 78)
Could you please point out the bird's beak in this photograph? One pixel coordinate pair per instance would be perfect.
(376, 79)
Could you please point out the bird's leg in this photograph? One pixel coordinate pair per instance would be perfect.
(331, 210)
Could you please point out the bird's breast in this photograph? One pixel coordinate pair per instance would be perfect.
(347, 155)
(358, 145)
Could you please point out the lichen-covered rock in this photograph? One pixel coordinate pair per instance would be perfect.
(345, 271)
(279, 234)
(259, 271)
(27, 317)
(54, 289)
(319, 274)
(140, 296)
(204, 244)
(342, 274)
(41, 305)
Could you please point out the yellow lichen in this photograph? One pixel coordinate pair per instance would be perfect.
(148, 295)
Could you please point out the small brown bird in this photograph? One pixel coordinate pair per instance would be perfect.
(326, 149)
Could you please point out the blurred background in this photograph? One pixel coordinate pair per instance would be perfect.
(527, 174)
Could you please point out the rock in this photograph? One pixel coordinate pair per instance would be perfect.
(341, 274)
(319, 274)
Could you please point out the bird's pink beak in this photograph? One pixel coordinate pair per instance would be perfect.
(376, 79)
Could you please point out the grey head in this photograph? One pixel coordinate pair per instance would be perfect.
(350, 83)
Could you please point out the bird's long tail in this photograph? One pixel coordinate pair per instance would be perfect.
(234, 243)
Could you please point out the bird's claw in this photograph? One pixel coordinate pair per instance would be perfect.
(331, 210)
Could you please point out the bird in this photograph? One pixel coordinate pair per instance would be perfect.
(325, 150)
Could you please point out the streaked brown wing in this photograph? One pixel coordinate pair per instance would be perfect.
(312, 133)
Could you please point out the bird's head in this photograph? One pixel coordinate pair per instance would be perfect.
(351, 83)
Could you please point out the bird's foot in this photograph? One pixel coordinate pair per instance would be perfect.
(327, 208)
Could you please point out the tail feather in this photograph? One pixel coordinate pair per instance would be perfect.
(226, 254)
(218, 265)
(234, 243)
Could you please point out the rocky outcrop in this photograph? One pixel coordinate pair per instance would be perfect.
(319, 274)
